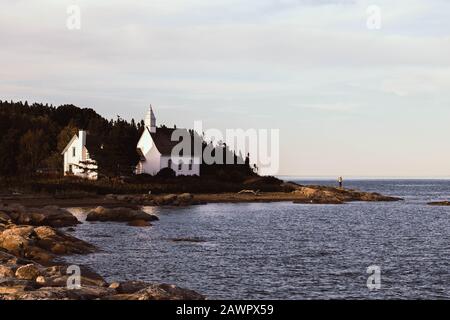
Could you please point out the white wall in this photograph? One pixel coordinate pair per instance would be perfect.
(152, 163)
(80, 155)
(155, 161)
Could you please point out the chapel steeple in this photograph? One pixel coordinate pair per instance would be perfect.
(150, 120)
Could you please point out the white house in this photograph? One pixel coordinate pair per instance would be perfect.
(77, 161)
(155, 149)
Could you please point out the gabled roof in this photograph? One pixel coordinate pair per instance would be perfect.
(75, 136)
(91, 142)
(163, 140)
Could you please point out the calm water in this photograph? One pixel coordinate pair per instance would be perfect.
(288, 251)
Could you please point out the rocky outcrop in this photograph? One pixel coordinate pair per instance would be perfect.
(41, 244)
(183, 199)
(47, 216)
(439, 203)
(24, 277)
(330, 195)
(119, 215)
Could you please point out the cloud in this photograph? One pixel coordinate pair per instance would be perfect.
(274, 59)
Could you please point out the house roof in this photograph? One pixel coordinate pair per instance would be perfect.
(91, 142)
(163, 140)
(75, 136)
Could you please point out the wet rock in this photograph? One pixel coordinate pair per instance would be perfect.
(439, 203)
(166, 292)
(28, 272)
(128, 287)
(330, 195)
(119, 214)
(6, 272)
(50, 216)
(23, 277)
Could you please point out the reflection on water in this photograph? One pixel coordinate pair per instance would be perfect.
(285, 250)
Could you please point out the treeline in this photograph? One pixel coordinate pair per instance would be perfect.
(33, 137)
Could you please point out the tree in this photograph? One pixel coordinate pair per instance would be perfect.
(33, 150)
(66, 135)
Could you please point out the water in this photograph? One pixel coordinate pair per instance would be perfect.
(288, 251)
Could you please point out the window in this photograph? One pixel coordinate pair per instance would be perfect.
(169, 163)
(70, 169)
(73, 151)
(190, 165)
(180, 165)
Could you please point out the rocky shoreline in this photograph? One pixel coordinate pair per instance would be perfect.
(297, 194)
(31, 243)
(29, 267)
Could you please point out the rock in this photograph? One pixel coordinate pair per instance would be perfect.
(110, 197)
(330, 195)
(185, 198)
(5, 218)
(24, 279)
(114, 285)
(51, 216)
(58, 248)
(166, 292)
(439, 203)
(252, 192)
(6, 272)
(28, 272)
(128, 287)
(139, 223)
(41, 280)
(123, 198)
(167, 199)
(119, 214)
(13, 243)
(59, 243)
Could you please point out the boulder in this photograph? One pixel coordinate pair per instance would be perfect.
(13, 243)
(5, 218)
(165, 292)
(128, 287)
(119, 214)
(185, 198)
(167, 199)
(27, 272)
(50, 215)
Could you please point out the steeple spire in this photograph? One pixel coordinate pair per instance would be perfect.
(150, 120)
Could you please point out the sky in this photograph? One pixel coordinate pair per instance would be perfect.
(348, 99)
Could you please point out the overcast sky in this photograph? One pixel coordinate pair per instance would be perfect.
(348, 100)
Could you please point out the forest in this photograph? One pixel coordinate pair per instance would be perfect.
(33, 136)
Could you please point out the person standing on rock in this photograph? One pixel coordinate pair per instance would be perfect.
(341, 182)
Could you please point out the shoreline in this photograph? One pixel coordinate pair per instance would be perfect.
(301, 194)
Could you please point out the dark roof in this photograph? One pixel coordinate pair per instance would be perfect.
(163, 140)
